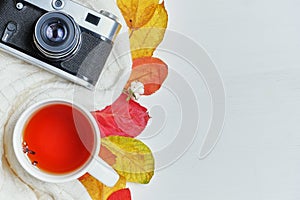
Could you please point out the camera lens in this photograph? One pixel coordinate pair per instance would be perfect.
(56, 32)
(56, 35)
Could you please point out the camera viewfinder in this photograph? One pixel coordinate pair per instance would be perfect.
(92, 19)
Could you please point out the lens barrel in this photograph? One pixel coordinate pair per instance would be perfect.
(56, 35)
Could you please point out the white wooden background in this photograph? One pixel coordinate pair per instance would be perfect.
(256, 47)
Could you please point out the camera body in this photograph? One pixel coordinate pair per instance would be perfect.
(60, 36)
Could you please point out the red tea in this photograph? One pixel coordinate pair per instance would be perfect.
(58, 139)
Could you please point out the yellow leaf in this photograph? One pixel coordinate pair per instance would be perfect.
(107, 191)
(134, 159)
(137, 12)
(99, 191)
(93, 186)
(144, 41)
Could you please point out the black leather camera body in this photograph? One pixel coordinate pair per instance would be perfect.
(60, 36)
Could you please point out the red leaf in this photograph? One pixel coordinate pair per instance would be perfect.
(123, 194)
(123, 118)
(152, 72)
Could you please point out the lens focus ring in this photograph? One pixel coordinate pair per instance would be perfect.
(56, 35)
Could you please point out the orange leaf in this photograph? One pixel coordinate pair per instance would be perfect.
(144, 41)
(150, 71)
(99, 191)
(92, 185)
(107, 191)
(137, 12)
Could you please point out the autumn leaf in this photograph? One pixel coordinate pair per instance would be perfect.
(152, 72)
(134, 160)
(99, 191)
(144, 40)
(123, 194)
(106, 155)
(124, 118)
(137, 12)
(92, 185)
(107, 191)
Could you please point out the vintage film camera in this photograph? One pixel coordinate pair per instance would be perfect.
(60, 36)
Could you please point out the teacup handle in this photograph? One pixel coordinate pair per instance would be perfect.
(103, 172)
